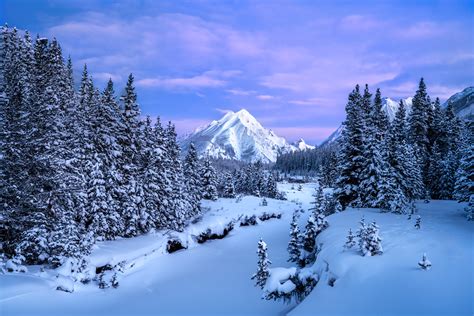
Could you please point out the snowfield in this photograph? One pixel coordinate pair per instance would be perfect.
(213, 278)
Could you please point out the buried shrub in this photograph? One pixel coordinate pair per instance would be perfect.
(249, 221)
(266, 216)
(209, 234)
(174, 245)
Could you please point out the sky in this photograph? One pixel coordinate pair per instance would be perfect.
(289, 63)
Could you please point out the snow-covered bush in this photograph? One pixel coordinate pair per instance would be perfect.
(109, 276)
(249, 221)
(174, 244)
(209, 234)
(266, 216)
(14, 265)
(418, 222)
(286, 284)
(425, 264)
(264, 202)
(64, 283)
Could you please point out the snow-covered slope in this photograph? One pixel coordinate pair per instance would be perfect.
(463, 103)
(237, 136)
(393, 283)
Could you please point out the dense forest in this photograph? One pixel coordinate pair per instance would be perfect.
(81, 166)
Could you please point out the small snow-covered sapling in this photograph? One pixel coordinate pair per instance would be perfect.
(300, 187)
(425, 264)
(350, 240)
(418, 222)
(427, 196)
(264, 202)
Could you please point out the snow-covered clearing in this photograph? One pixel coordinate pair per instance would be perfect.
(213, 278)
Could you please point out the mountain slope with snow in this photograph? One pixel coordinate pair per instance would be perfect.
(239, 136)
(463, 103)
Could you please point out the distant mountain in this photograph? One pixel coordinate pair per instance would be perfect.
(241, 137)
(301, 145)
(463, 103)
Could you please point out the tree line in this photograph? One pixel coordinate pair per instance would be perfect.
(421, 154)
(81, 166)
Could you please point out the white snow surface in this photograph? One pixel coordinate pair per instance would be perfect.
(393, 283)
(214, 278)
(239, 136)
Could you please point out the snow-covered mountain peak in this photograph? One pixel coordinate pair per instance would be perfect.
(301, 145)
(238, 135)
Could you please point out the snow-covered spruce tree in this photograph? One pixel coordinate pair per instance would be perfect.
(350, 158)
(229, 189)
(178, 207)
(271, 189)
(208, 180)
(453, 127)
(263, 264)
(309, 241)
(161, 198)
(191, 171)
(294, 246)
(315, 225)
(370, 243)
(418, 127)
(464, 186)
(377, 176)
(16, 101)
(130, 190)
(319, 209)
(256, 178)
(98, 200)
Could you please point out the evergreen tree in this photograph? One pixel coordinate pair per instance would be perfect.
(229, 190)
(294, 246)
(350, 240)
(263, 264)
(418, 127)
(271, 189)
(369, 241)
(351, 153)
(192, 177)
(130, 188)
(209, 181)
(178, 207)
(464, 186)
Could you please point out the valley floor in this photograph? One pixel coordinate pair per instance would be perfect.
(214, 278)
